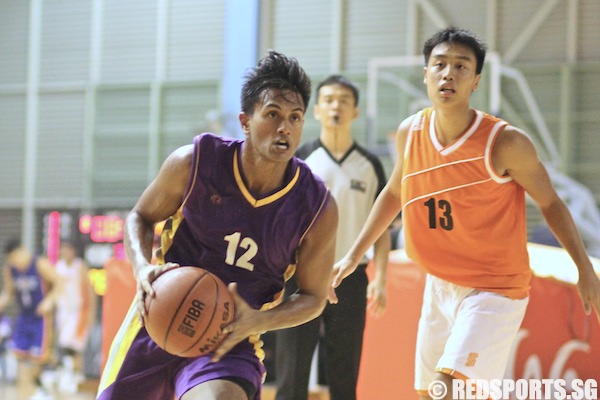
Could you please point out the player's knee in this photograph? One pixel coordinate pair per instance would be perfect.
(446, 381)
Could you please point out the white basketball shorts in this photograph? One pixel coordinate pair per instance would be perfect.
(464, 332)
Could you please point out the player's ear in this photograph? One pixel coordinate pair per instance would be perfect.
(425, 75)
(476, 83)
(244, 122)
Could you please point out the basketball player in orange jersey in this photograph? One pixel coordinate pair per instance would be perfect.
(460, 180)
(247, 211)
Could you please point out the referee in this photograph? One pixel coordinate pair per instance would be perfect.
(355, 177)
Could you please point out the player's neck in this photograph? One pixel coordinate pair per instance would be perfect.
(23, 261)
(337, 142)
(262, 177)
(69, 261)
(449, 125)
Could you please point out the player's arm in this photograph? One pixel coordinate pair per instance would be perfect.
(384, 211)
(53, 281)
(160, 200)
(514, 154)
(376, 290)
(8, 290)
(316, 256)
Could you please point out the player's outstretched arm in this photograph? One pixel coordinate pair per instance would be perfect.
(514, 154)
(161, 199)
(376, 290)
(384, 211)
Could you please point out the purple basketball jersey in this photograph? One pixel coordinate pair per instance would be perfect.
(239, 238)
(32, 333)
(222, 228)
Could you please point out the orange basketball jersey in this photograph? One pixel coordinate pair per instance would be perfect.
(463, 222)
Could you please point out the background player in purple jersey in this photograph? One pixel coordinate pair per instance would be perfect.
(251, 213)
(32, 282)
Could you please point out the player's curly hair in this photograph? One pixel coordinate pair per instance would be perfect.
(274, 71)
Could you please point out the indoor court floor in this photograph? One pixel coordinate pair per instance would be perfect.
(9, 391)
(88, 392)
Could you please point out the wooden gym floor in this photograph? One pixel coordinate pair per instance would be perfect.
(9, 391)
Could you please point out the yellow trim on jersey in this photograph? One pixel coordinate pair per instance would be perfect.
(258, 351)
(289, 272)
(119, 347)
(269, 199)
(173, 222)
(168, 233)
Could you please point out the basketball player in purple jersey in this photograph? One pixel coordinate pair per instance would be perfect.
(33, 283)
(252, 214)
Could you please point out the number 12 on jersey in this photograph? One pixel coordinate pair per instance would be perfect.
(235, 241)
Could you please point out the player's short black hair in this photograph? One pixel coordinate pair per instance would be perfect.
(340, 80)
(460, 36)
(11, 245)
(274, 71)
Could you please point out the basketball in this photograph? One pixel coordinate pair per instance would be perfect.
(186, 316)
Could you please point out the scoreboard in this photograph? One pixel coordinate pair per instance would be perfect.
(98, 237)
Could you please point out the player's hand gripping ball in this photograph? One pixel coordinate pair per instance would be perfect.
(188, 312)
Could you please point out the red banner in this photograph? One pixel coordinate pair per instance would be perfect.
(556, 340)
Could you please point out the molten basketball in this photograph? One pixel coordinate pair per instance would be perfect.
(186, 316)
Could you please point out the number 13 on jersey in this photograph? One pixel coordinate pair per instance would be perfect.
(440, 214)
